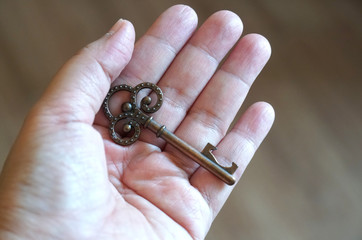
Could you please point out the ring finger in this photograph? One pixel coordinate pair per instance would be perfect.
(214, 110)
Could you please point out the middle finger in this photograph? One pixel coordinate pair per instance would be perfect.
(194, 66)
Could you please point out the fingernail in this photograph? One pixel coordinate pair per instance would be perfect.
(115, 27)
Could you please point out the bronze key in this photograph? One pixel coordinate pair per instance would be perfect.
(134, 116)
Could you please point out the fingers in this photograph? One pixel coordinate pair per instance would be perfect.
(193, 67)
(155, 51)
(80, 86)
(216, 107)
(196, 64)
(238, 146)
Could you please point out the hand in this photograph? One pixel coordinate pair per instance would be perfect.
(66, 179)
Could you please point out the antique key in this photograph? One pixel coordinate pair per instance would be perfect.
(134, 116)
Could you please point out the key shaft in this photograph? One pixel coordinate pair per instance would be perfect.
(162, 132)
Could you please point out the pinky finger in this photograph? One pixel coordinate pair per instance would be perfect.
(238, 146)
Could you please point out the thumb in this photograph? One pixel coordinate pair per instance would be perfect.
(77, 91)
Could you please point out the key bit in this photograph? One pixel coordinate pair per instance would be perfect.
(133, 116)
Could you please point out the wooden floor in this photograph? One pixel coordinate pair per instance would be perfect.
(305, 182)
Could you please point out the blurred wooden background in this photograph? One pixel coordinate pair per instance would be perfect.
(305, 182)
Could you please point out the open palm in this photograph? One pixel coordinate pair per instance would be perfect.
(65, 178)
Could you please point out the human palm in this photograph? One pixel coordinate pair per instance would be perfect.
(65, 178)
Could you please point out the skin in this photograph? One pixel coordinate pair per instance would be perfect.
(66, 179)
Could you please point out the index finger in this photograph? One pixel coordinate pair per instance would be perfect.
(156, 49)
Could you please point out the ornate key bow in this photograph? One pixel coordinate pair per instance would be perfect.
(135, 116)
